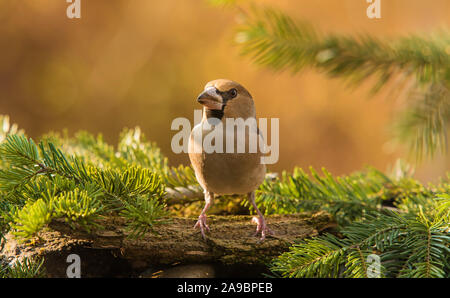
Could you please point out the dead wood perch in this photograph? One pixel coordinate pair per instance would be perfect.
(230, 241)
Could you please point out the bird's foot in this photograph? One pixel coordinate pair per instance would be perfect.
(201, 223)
(261, 227)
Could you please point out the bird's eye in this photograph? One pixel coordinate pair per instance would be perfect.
(233, 93)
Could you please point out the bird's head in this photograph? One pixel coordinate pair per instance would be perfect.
(226, 99)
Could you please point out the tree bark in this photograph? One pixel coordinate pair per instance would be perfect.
(231, 241)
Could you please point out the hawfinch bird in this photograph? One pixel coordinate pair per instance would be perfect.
(224, 173)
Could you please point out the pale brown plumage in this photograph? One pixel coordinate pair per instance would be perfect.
(227, 173)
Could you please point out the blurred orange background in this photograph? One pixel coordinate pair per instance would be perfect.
(128, 63)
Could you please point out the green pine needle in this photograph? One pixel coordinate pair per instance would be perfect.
(82, 181)
(417, 64)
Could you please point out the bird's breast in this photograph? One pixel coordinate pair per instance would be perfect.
(226, 171)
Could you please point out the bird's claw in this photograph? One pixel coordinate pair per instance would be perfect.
(201, 223)
(261, 227)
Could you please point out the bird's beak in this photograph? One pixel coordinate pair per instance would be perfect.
(210, 99)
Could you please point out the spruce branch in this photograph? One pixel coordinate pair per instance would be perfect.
(273, 39)
(319, 257)
(46, 185)
(347, 198)
(78, 180)
(407, 246)
(20, 151)
(77, 208)
(417, 65)
(29, 220)
(356, 265)
(25, 268)
(142, 214)
(428, 243)
(426, 121)
(27, 162)
(133, 150)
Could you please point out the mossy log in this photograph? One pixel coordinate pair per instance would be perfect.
(109, 251)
